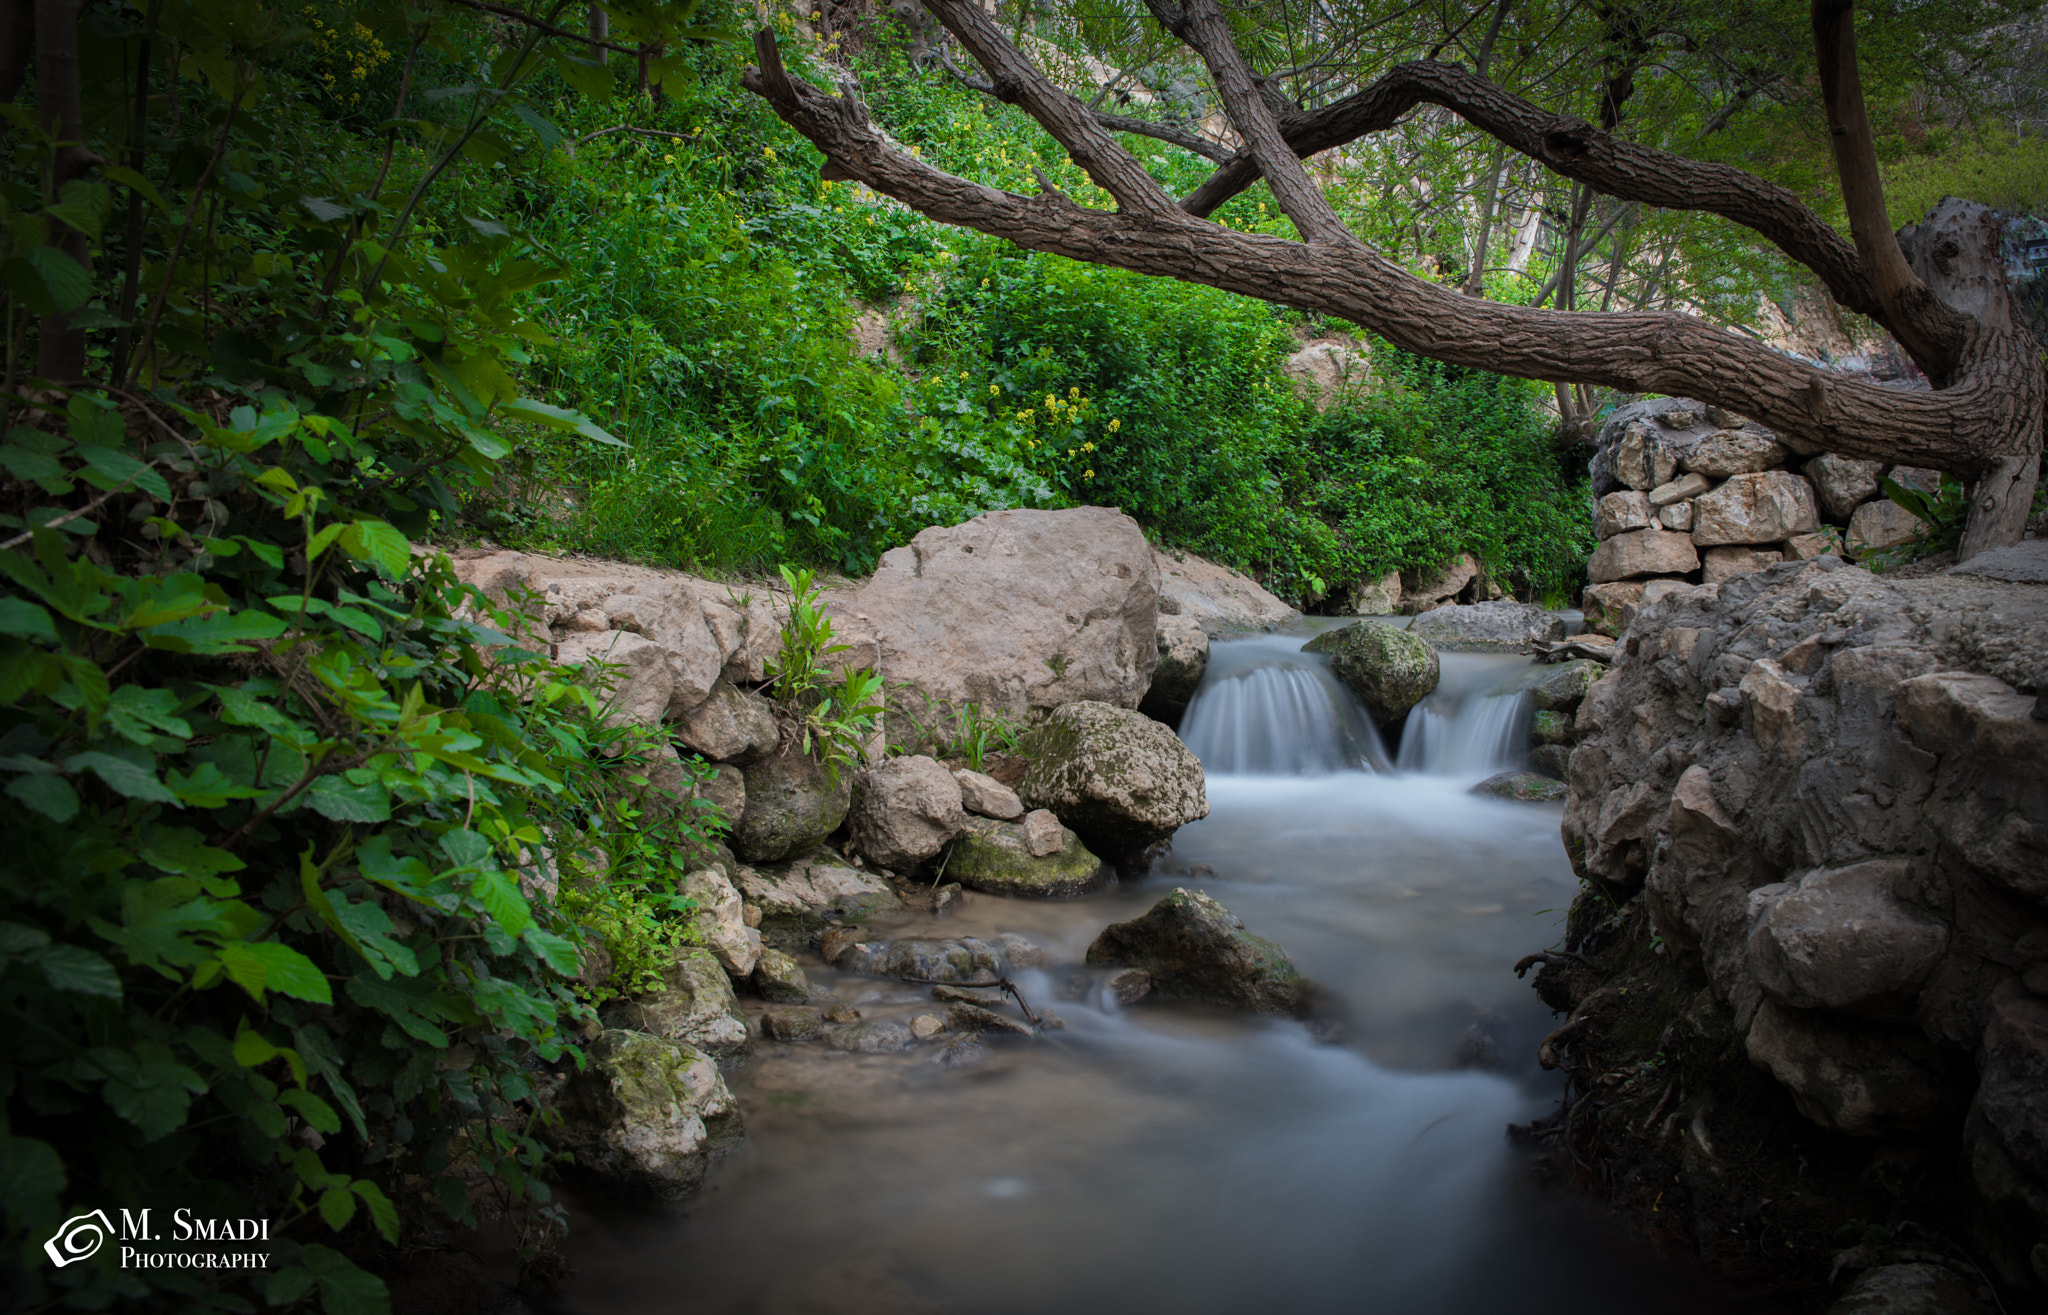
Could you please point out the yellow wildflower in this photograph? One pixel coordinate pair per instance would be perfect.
(1087, 447)
(1087, 474)
(993, 390)
(1074, 393)
(1051, 402)
(768, 152)
(1115, 425)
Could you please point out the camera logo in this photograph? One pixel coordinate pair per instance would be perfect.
(79, 1238)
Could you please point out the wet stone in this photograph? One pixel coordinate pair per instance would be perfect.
(781, 979)
(975, 1019)
(962, 1052)
(793, 1023)
(1523, 787)
(1021, 952)
(926, 1026)
(1129, 985)
(881, 1037)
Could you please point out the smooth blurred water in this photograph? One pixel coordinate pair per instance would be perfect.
(1169, 1157)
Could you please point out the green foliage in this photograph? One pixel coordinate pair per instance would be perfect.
(1943, 515)
(833, 720)
(278, 790)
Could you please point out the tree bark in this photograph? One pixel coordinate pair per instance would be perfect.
(1990, 410)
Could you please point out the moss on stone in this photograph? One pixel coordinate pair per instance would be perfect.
(1389, 669)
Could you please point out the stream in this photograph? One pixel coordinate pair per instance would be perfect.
(1168, 1157)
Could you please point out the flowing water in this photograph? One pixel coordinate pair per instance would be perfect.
(1170, 1158)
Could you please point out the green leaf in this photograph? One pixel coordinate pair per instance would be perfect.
(345, 1289)
(466, 849)
(335, 799)
(558, 952)
(75, 968)
(274, 966)
(117, 468)
(311, 1108)
(382, 1213)
(18, 616)
(337, 1207)
(52, 796)
(500, 897)
(67, 282)
(558, 418)
(122, 174)
(380, 544)
(124, 777)
(153, 1094)
(84, 206)
(30, 1174)
(219, 633)
(323, 210)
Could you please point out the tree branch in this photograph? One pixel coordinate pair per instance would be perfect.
(1993, 411)
(1204, 28)
(1934, 333)
(1164, 132)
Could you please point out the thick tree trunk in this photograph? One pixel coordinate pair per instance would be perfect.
(1989, 410)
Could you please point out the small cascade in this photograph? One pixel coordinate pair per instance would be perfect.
(1475, 735)
(1266, 709)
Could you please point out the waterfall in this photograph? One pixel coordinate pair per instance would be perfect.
(1265, 708)
(1469, 736)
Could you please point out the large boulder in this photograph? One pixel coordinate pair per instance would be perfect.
(1427, 587)
(792, 804)
(1501, 626)
(695, 1006)
(645, 1116)
(1389, 669)
(905, 810)
(1381, 597)
(1195, 949)
(1768, 507)
(998, 859)
(1183, 657)
(1854, 1077)
(639, 682)
(1610, 607)
(1644, 444)
(1117, 778)
(1642, 552)
(1564, 686)
(1219, 600)
(1016, 611)
(1719, 564)
(798, 898)
(1728, 452)
(1620, 512)
(1879, 526)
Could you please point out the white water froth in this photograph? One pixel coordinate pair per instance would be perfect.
(1265, 708)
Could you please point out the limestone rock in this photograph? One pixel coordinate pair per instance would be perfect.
(1735, 452)
(1503, 626)
(975, 1020)
(1993, 777)
(1909, 1289)
(1325, 371)
(1610, 607)
(985, 796)
(674, 620)
(1621, 512)
(2014, 1074)
(1838, 939)
(1183, 657)
(1219, 600)
(695, 1006)
(1768, 507)
(1676, 517)
(645, 1116)
(926, 1026)
(795, 897)
(1552, 760)
(1522, 787)
(1424, 589)
(1853, 1077)
(793, 1024)
(1021, 951)
(1381, 597)
(1642, 460)
(1118, 779)
(1042, 832)
(1564, 686)
(724, 789)
(1389, 669)
(1879, 525)
(1550, 727)
(729, 726)
(1842, 483)
(1641, 444)
(1017, 611)
(780, 979)
(905, 810)
(1129, 985)
(1194, 948)
(1683, 489)
(1718, 564)
(643, 683)
(720, 921)
(792, 804)
(1643, 552)
(1806, 547)
(997, 858)
(967, 960)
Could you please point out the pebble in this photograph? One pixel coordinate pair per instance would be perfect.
(927, 1026)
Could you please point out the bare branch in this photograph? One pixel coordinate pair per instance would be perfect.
(1203, 28)
(1164, 132)
(1017, 81)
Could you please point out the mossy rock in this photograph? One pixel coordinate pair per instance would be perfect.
(1523, 787)
(991, 856)
(1113, 775)
(1564, 687)
(792, 804)
(1550, 728)
(1389, 669)
(1195, 949)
